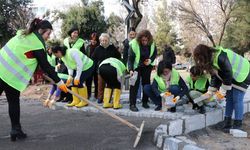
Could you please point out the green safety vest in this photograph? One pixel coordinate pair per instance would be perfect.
(52, 60)
(119, 66)
(240, 65)
(78, 44)
(16, 68)
(70, 62)
(63, 76)
(200, 83)
(136, 49)
(174, 80)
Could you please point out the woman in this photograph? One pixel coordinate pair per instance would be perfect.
(167, 79)
(198, 85)
(112, 70)
(103, 51)
(142, 53)
(230, 75)
(94, 42)
(80, 67)
(74, 41)
(18, 61)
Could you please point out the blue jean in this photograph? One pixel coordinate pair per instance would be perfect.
(84, 76)
(174, 89)
(234, 103)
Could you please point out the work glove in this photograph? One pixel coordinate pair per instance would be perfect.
(76, 82)
(175, 100)
(165, 94)
(51, 103)
(62, 86)
(147, 62)
(45, 103)
(69, 80)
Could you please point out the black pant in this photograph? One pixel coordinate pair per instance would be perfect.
(13, 101)
(109, 74)
(89, 83)
(144, 74)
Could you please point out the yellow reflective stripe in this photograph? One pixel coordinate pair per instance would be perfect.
(13, 71)
(17, 60)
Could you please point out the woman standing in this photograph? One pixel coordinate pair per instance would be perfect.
(103, 51)
(230, 75)
(142, 53)
(18, 61)
(74, 41)
(80, 67)
(94, 42)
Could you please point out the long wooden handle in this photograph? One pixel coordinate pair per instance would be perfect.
(105, 111)
(98, 107)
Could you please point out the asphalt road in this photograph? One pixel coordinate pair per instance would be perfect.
(72, 130)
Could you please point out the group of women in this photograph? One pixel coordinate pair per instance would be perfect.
(24, 52)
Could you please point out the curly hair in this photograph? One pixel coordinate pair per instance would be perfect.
(203, 57)
(144, 33)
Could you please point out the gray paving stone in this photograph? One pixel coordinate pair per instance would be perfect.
(245, 108)
(192, 147)
(214, 117)
(185, 139)
(194, 122)
(160, 140)
(175, 127)
(172, 144)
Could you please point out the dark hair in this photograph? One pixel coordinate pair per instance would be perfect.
(203, 57)
(131, 29)
(196, 71)
(144, 33)
(75, 28)
(57, 48)
(167, 47)
(37, 24)
(163, 65)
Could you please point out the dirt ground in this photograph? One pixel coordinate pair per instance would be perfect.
(213, 138)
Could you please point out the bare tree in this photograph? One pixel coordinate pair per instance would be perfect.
(137, 17)
(211, 17)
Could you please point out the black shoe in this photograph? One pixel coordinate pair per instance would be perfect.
(202, 109)
(158, 108)
(237, 124)
(145, 105)
(227, 124)
(172, 109)
(133, 108)
(17, 133)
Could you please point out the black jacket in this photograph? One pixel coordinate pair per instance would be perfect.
(181, 83)
(41, 57)
(131, 57)
(169, 56)
(226, 74)
(101, 53)
(125, 51)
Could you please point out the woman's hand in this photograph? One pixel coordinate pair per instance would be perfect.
(147, 62)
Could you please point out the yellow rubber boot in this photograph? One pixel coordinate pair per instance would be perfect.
(75, 99)
(106, 98)
(83, 92)
(117, 95)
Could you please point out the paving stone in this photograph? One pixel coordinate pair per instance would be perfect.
(185, 139)
(194, 122)
(214, 117)
(160, 139)
(156, 134)
(245, 108)
(248, 107)
(238, 133)
(172, 144)
(175, 127)
(191, 147)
